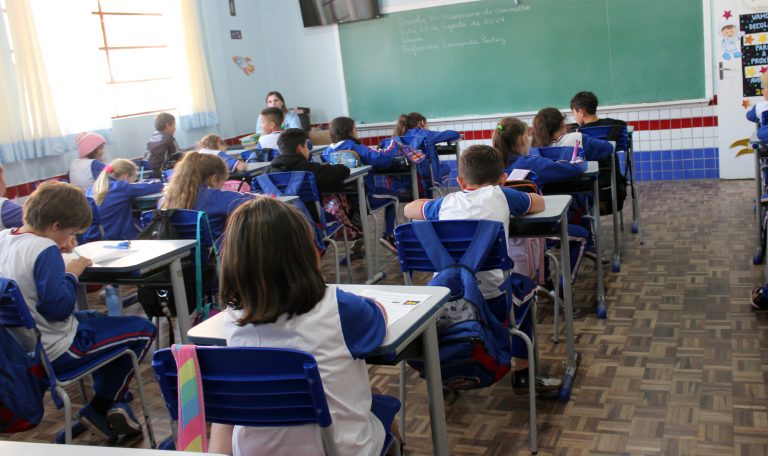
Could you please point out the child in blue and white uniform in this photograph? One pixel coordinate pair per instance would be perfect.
(271, 120)
(481, 172)
(196, 184)
(10, 212)
(344, 137)
(550, 130)
(286, 304)
(84, 170)
(114, 192)
(511, 138)
(759, 112)
(31, 255)
(214, 145)
(291, 119)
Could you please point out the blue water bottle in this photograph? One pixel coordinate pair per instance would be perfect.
(114, 306)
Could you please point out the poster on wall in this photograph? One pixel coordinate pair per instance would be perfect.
(754, 50)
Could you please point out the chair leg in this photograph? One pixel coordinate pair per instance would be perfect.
(83, 392)
(348, 253)
(67, 414)
(402, 402)
(157, 338)
(142, 398)
(336, 258)
(556, 296)
(531, 388)
(375, 241)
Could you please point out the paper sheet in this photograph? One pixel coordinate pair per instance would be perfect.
(104, 255)
(397, 305)
(518, 174)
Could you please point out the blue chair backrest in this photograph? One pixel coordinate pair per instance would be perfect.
(167, 174)
(251, 386)
(456, 236)
(604, 132)
(294, 183)
(14, 312)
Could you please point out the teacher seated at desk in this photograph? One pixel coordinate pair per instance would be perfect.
(291, 118)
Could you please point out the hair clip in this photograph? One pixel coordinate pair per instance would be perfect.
(500, 127)
(108, 169)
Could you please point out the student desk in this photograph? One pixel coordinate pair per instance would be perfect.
(761, 155)
(132, 269)
(421, 321)
(581, 185)
(553, 221)
(9, 448)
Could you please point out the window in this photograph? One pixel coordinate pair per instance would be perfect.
(134, 38)
(7, 29)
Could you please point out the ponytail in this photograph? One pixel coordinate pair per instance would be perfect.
(545, 124)
(407, 121)
(189, 174)
(116, 169)
(506, 136)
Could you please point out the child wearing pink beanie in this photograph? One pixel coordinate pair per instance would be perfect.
(86, 168)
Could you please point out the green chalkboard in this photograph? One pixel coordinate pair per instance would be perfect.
(491, 56)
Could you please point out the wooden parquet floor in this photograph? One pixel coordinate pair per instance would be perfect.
(679, 367)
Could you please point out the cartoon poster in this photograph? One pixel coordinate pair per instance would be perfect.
(754, 51)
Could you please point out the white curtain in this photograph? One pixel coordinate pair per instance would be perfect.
(31, 128)
(197, 106)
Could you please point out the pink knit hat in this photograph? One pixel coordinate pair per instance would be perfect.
(88, 142)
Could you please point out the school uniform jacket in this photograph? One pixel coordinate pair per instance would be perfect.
(36, 264)
(594, 149)
(379, 159)
(426, 140)
(485, 203)
(10, 214)
(218, 204)
(339, 332)
(759, 115)
(160, 147)
(84, 171)
(116, 209)
(547, 171)
(229, 161)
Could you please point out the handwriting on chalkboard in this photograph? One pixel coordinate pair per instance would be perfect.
(432, 32)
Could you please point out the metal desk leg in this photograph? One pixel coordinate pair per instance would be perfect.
(636, 225)
(414, 180)
(435, 389)
(180, 296)
(758, 257)
(614, 206)
(362, 203)
(601, 312)
(573, 357)
(82, 298)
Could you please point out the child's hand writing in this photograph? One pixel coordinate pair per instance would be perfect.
(78, 265)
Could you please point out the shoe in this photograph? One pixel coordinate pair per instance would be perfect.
(759, 300)
(388, 241)
(94, 422)
(544, 384)
(122, 420)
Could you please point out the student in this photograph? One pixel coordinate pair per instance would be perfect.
(271, 121)
(31, 256)
(290, 118)
(481, 174)
(286, 304)
(549, 129)
(214, 145)
(10, 212)
(162, 145)
(759, 112)
(196, 184)
(295, 155)
(584, 109)
(511, 138)
(412, 130)
(84, 170)
(114, 192)
(344, 137)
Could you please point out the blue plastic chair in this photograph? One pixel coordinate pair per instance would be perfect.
(14, 314)
(96, 231)
(192, 224)
(303, 185)
(456, 237)
(254, 386)
(603, 132)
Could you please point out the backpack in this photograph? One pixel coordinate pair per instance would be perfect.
(23, 377)
(475, 346)
(526, 253)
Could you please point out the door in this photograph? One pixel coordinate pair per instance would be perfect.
(740, 54)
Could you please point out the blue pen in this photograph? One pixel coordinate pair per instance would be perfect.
(119, 245)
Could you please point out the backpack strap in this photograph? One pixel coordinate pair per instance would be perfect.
(294, 183)
(267, 186)
(191, 414)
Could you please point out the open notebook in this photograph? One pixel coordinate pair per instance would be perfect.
(397, 305)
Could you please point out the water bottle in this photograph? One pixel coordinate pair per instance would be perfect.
(114, 306)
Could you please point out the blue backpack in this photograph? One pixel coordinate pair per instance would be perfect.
(475, 345)
(23, 377)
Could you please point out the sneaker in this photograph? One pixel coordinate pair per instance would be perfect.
(759, 300)
(122, 420)
(388, 241)
(95, 422)
(544, 384)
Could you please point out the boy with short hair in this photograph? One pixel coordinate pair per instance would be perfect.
(31, 255)
(481, 177)
(162, 145)
(584, 109)
(10, 212)
(271, 125)
(295, 155)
